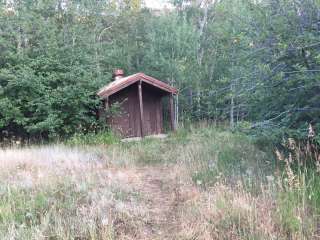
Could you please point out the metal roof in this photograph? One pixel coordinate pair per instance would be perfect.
(124, 82)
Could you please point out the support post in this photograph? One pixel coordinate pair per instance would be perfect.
(176, 111)
(141, 109)
(106, 104)
(172, 117)
(106, 109)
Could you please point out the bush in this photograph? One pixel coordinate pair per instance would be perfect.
(101, 138)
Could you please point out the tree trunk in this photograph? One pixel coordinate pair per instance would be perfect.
(198, 102)
(232, 106)
(19, 41)
(172, 115)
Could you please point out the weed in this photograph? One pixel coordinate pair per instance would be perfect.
(100, 138)
(92, 189)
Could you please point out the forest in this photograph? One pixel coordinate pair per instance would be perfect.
(243, 162)
(253, 65)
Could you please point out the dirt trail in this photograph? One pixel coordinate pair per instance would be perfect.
(161, 193)
(161, 197)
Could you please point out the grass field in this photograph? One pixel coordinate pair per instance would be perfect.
(199, 183)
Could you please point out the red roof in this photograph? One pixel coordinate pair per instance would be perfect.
(124, 82)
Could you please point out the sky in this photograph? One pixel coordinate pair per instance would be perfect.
(157, 4)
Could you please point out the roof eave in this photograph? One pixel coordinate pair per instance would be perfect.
(157, 83)
(140, 76)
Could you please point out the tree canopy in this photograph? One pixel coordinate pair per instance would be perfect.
(240, 61)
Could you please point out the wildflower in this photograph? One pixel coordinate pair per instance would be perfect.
(270, 178)
(291, 177)
(311, 132)
(291, 143)
(211, 164)
(249, 172)
(9, 11)
(105, 221)
(318, 166)
(279, 155)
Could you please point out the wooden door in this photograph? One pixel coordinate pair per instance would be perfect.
(150, 114)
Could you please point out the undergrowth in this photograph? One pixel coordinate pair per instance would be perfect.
(101, 138)
(241, 193)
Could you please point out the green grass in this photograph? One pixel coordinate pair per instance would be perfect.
(216, 153)
(229, 169)
(100, 138)
(48, 208)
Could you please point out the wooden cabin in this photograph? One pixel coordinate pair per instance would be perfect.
(139, 101)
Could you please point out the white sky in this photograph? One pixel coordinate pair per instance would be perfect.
(157, 4)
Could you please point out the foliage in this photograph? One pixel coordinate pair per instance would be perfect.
(100, 138)
(252, 61)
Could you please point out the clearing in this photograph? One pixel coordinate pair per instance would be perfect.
(202, 184)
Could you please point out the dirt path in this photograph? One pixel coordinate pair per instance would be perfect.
(161, 193)
(160, 199)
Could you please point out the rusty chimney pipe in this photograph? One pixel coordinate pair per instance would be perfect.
(117, 74)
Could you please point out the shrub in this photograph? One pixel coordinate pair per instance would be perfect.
(100, 138)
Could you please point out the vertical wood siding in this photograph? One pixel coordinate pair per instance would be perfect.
(127, 121)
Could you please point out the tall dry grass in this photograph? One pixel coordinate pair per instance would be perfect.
(243, 195)
(58, 192)
(226, 187)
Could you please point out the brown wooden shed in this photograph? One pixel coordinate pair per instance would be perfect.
(139, 97)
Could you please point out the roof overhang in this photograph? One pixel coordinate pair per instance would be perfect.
(122, 83)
